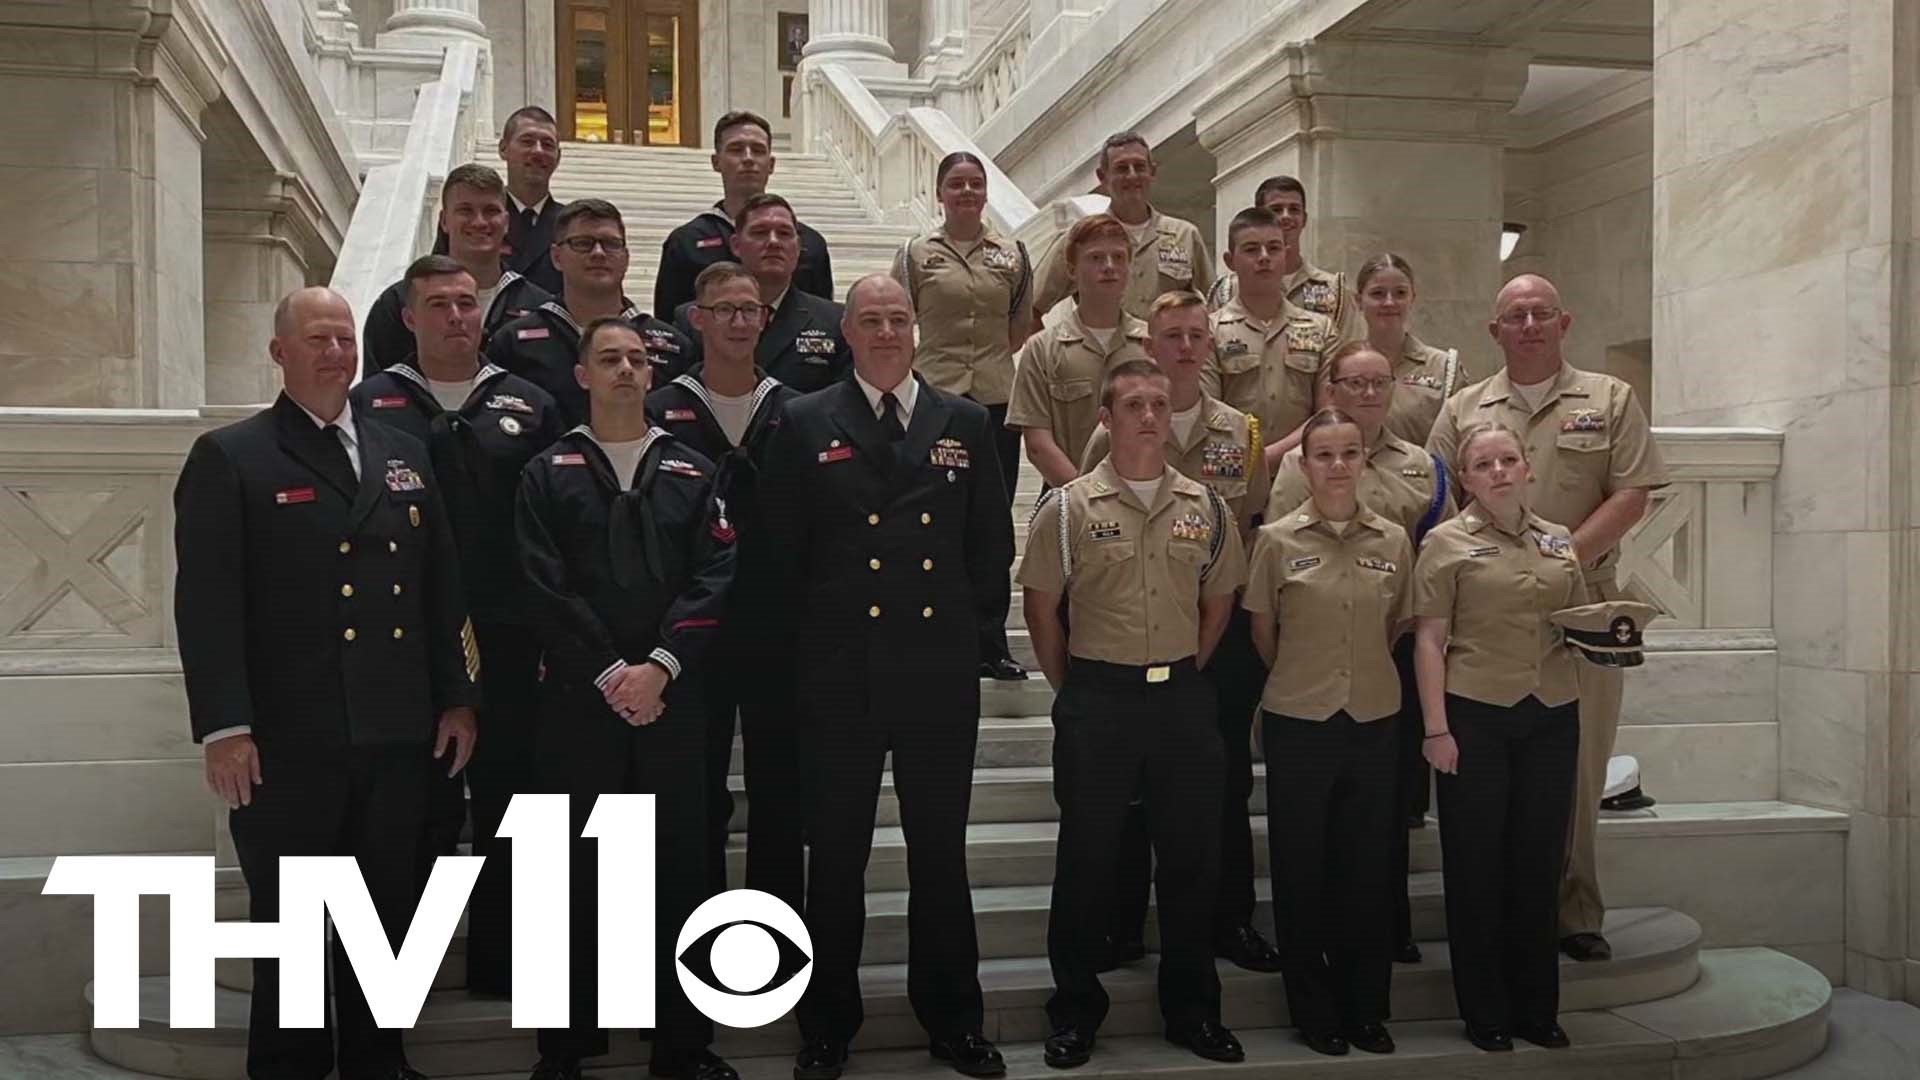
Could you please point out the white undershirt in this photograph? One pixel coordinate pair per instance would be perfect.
(733, 414)
(451, 395)
(1138, 234)
(625, 458)
(1145, 490)
(485, 296)
(1339, 527)
(1103, 338)
(1532, 394)
(1183, 422)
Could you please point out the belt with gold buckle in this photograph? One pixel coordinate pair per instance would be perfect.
(1159, 673)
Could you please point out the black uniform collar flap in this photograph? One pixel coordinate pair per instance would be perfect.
(373, 468)
(300, 437)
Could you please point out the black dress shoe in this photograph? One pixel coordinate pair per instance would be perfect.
(1247, 949)
(1491, 1039)
(1407, 953)
(552, 1069)
(1211, 1040)
(1330, 1043)
(705, 1065)
(1373, 1038)
(1551, 1037)
(820, 1060)
(1002, 670)
(1586, 947)
(970, 1054)
(1068, 1047)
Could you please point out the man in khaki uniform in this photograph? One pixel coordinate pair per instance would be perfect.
(1269, 351)
(1212, 442)
(1594, 462)
(1168, 253)
(1150, 561)
(1323, 292)
(1055, 402)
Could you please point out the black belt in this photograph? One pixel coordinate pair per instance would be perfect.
(1131, 674)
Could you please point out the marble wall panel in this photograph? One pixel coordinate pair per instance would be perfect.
(56, 718)
(1764, 889)
(1823, 742)
(81, 808)
(1810, 579)
(55, 214)
(1750, 339)
(1869, 588)
(40, 129)
(1781, 67)
(1701, 688)
(1713, 762)
(1877, 885)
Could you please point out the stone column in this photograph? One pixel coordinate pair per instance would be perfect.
(260, 241)
(434, 18)
(339, 37)
(851, 32)
(1783, 242)
(945, 23)
(100, 276)
(1400, 146)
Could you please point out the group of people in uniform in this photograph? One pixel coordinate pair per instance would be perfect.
(551, 542)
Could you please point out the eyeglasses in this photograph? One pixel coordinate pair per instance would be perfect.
(581, 245)
(733, 312)
(1522, 318)
(1361, 384)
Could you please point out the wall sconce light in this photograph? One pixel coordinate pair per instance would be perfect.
(1510, 235)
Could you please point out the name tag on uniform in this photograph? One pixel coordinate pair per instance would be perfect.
(681, 468)
(661, 341)
(1228, 461)
(1368, 562)
(1553, 547)
(1192, 527)
(1233, 348)
(398, 401)
(709, 241)
(949, 454)
(681, 414)
(1303, 337)
(509, 403)
(1306, 562)
(1421, 379)
(1000, 259)
(401, 477)
(1103, 530)
(532, 333)
(569, 459)
(293, 496)
(1316, 296)
(815, 343)
(838, 453)
(1584, 420)
(1175, 263)
(933, 262)
(1483, 552)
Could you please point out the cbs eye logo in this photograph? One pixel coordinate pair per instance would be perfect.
(744, 958)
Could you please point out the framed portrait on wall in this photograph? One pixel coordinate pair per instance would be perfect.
(793, 38)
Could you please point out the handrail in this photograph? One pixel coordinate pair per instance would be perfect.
(998, 72)
(891, 158)
(393, 220)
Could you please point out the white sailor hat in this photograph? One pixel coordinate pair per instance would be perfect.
(1623, 785)
(1610, 633)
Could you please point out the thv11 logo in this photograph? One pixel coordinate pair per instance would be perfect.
(750, 943)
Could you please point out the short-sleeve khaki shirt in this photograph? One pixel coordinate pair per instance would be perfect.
(1224, 451)
(1268, 369)
(1133, 575)
(1336, 599)
(1398, 483)
(1497, 590)
(1171, 256)
(1421, 386)
(966, 295)
(1589, 439)
(1323, 292)
(1056, 384)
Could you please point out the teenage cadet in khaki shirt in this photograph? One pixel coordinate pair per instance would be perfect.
(970, 288)
(1212, 442)
(1329, 586)
(1167, 252)
(1149, 561)
(1323, 292)
(1594, 462)
(1427, 376)
(1500, 700)
(1270, 352)
(1057, 382)
(1409, 487)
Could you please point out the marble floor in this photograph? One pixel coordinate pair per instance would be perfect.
(1869, 1039)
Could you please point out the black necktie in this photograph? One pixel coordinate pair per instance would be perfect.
(890, 417)
(337, 458)
(528, 218)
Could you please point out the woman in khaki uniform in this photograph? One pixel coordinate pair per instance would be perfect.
(1410, 488)
(1329, 589)
(1426, 375)
(969, 287)
(1501, 704)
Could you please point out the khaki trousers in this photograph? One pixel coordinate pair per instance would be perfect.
(1581, 906)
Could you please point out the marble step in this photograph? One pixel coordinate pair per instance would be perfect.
(1656, 957)
(1753, 1013)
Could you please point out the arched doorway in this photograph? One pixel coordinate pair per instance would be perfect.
(629, 71)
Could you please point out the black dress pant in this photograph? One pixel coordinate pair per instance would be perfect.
(844, 754)
(502, 767)
(1330, 815)
(1116, 734)
(1413, 782)
(755, 683)
(1006, 442)
(583, 749)
(1503, 828)
(1238, 676)
(367, 802)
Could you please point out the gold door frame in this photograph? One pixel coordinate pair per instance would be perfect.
(625, 112)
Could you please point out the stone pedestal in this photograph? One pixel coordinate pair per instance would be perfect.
(100, 276)
(422, 22)
(1400, 147)
(853, 33)
(1783, 236)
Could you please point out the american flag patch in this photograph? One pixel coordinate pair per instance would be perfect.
(709, 241)
(533, 333)
(681, 414)
(293, 495)
(398, 401)
(569, 459)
